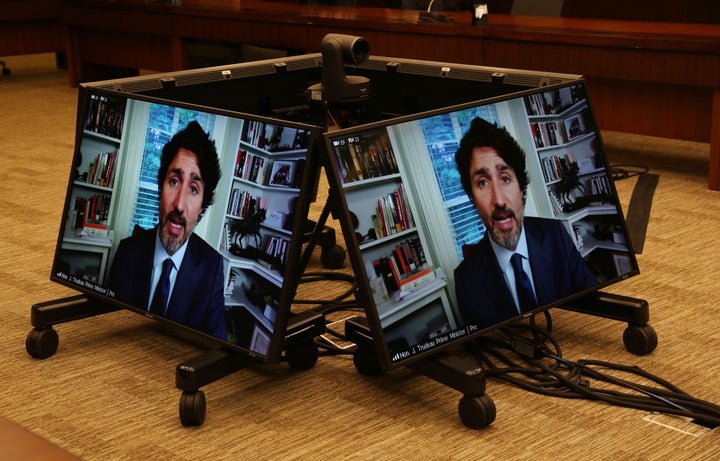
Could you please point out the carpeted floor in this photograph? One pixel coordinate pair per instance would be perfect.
(109, 392)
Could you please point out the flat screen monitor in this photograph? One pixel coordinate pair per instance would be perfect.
(187, 214)
(437, 207)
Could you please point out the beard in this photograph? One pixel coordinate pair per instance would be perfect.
(170, 241)
(506, 238)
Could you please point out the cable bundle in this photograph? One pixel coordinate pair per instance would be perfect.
(546, 372)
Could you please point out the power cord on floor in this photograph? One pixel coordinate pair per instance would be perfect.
(546, 372)
(625, 171)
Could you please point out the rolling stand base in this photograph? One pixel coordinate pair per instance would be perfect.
(42, 341)
(639, 337)
(476, 409)
(301, 353)
(300, 350)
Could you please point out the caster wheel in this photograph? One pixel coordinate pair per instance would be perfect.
(640, 339)
(302, 356)
(192, 408)
(41, 343)
(476, 412)
(366, 361)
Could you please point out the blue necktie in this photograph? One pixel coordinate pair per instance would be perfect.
(162, 290)
(526, 296)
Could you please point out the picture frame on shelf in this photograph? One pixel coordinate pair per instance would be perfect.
(282, 174)
(574, 126)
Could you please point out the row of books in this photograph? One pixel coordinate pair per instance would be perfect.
(392, 213)
(367, 157)
(554, 101)
(274, 138)
(101, 171)
(91, 213)
(277, 247)
(105, 116)
(405, 268)
(600, 185)
(546, 134)
(260, 170)
(555, 167)
(242, 203)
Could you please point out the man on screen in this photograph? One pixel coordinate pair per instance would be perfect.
(522, 262)
(169, 270)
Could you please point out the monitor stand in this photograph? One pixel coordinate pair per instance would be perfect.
(476, 409)
(301, 352)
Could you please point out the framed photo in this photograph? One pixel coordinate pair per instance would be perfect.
(283, 173)
(574, 126)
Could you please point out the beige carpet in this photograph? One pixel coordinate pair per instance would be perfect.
(109, 392)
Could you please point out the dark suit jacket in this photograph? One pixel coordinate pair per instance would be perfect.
(557, 267)
(197, 300)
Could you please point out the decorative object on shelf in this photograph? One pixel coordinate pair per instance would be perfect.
(241, 229)
(569, 183)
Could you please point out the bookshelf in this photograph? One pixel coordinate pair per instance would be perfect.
(267, 168)
(88, 234)
(404, 284)
(575, 186)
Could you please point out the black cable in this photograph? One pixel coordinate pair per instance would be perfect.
(624, 171)
(311, 277)
(568, 379)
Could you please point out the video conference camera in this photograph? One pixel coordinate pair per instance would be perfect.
(336, 87)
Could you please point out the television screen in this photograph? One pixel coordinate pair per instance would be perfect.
(187, 214)
(465, 219)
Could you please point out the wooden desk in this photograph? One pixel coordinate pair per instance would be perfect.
(659, 79)
(30, 26)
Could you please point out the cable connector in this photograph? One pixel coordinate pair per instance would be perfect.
(527, 347)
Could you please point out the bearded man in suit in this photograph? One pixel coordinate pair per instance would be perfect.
(521, 263)
(169, 270)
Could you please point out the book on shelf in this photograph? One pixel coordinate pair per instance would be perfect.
(274, 138)
(277, 247)
(600, 185)
(255, 168)
(365, 157)
(404, 267)
(89, 215)
(392, 213)
(577, 233)
(242, 203)
(252, 167)
(105, 116)
(101, 170)
(547, 134)
(554, 101)
(556, 203)
(555, 167)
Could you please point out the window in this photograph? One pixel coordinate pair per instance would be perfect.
(442, 136)
(163, 123)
